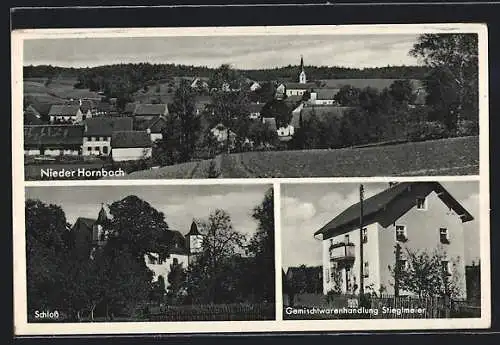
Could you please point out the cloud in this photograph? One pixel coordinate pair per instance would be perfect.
(295, 211)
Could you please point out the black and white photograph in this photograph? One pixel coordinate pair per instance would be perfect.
(273, 102)
(150, 253)
(397, 250)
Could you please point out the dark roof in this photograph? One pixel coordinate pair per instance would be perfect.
(194, 229)
(151, 109)
(64, 109)
(294, 99)
(300, 86)
(36, 135)
(130, 107)
(374, 207)
(129, 139)
(363, 83)
(104, 106)
(173, 241)
(87, 222)
(323, 112)
(271, 122)
(326, 94)
(255, 107)
(156, 124)
(30, 118)
(105, 126)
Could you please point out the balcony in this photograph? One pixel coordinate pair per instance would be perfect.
(343, 253)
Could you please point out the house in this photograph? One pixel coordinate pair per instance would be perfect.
(270, 122)
(129, 109)
(254, 109)
(220, 134)
(201, 102)
(32, 116)
(149, 111)
(130, 145)
(199, 83)
(154, 127)
(279, 94)
(172, 247)
(98, 133)
(473, 283)
(67, 113)
(254, 86)
(413, 215)
(53, 140)
(322, 112)
(323, 96)
(103, 108)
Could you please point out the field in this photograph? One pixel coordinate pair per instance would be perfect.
(455, 156)
(55, 91)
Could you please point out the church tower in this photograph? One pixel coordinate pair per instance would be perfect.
(302, 75)
(194, 241)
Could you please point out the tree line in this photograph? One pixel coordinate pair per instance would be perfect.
(114, 280)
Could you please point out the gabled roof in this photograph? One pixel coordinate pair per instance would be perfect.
(151, 109)
(300, 86)
(155, 125)
(171, 242)
(130, 139)
(326, 94)
(105, 126)
(322, 112)
(375, 206)
(64, 110)
(87, 222)
(36, 135)
(130, 107)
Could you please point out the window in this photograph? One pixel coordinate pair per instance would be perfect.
(401, 234)
(176, 261)
(89, 148)
(443, 236)
(366, 269)
(105, 149)
(327, 275)
(364, 235)
(331, 241)
(346, 238)
(421, 204)
(101, 138)
(446, 267)
(152, 260)
(97, 148)
(92, 138)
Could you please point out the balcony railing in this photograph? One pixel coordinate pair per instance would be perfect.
(343, 253)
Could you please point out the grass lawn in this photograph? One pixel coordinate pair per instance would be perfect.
(455, 156)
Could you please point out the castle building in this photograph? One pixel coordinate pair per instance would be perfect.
(172, 249)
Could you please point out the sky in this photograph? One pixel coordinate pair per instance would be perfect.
(242, 52)
(180, 204)
(305, 208)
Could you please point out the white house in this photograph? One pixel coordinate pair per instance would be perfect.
(323, 96)
(98, 133)
(130, 145)
(413, 215)
(67, 113)
(254, 86)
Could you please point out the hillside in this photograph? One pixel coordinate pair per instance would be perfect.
(456, 156)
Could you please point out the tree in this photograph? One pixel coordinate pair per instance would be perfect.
(401, 91)
(425, 275)
(454, 61)
(279, 110)
(188, 121)
(208, 277)
(176, 279)
(261, 249)
(261, 133)
(348, 96)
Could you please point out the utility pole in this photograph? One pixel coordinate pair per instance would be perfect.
(397, 270)
(361, 261)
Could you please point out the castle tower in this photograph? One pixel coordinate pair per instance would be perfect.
(99, 235)
(302, 75)
(194, 242)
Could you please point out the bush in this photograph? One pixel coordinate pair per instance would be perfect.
(428, 130)
(467, 127)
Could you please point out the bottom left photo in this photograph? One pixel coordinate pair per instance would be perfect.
(150, 253)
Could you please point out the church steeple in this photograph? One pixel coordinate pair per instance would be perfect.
(302, 75)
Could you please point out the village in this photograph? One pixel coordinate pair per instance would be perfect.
(276, 115)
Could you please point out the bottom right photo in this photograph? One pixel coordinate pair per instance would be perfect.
(381, 250)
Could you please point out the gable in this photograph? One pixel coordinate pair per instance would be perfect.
(399, 198)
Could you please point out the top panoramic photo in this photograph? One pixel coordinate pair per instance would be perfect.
(270, 102)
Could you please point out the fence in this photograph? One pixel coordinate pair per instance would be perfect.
(381, 307)
(213, 312)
